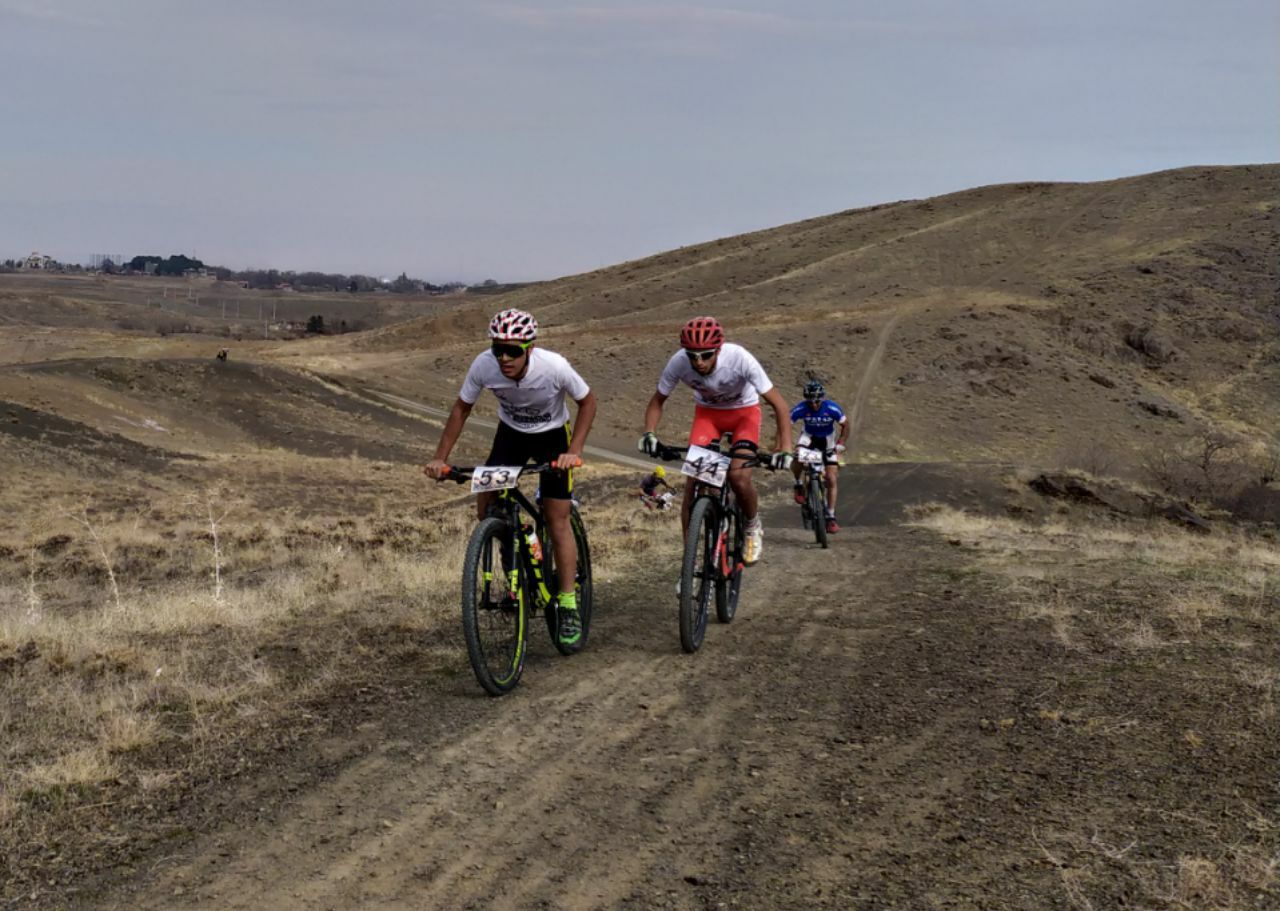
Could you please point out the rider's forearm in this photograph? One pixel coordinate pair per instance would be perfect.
(652, 415)
(582, 426)
(783, 415)
(452, 429)
(784, 435)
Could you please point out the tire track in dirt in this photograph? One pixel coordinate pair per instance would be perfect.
(857, 412)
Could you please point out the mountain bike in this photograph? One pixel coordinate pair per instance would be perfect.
(813, 513)
(713, 546)
(508, 576)
(659, 501)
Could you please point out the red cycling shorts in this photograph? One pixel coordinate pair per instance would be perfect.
(709, 423)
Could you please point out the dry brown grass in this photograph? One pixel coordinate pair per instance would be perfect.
(177, 652)
(1227, 877)
(1141, 586)
(1128, 595)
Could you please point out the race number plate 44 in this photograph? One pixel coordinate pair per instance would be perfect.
(494, 477)
(706, 466)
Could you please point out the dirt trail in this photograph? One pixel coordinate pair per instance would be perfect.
(791, 763)
(857, 410)
(628, 773)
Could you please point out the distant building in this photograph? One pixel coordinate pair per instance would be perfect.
(38, 261)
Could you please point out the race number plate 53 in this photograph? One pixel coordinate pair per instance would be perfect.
(494, 477)
(706, 466)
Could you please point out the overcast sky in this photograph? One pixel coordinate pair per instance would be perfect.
(524, 140)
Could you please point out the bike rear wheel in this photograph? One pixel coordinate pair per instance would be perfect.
(493, 614)
(581, 583)
(818, 506)
(699, 573)
(729, 586)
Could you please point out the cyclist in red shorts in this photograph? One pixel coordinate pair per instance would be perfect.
(728, 384)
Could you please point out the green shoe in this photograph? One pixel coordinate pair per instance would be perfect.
(569, 627)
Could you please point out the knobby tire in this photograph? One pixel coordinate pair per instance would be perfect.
(730, 587)
(818, 505)
(698, 574)
(493, 623)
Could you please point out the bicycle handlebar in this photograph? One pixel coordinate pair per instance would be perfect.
(758, 459)
(460, 474)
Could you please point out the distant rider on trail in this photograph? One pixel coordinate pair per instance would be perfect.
(649, 489)
(530, 384)
(820, 416)
(728, 384)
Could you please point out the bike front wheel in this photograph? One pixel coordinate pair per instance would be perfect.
(493, 611)
(699, 573)
(818, 506)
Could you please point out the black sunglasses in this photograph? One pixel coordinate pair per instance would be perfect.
(510, 352)
(696, 356)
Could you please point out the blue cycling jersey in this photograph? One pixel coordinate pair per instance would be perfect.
(819, 422)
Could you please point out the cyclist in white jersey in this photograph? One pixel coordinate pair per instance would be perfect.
(728, 384)
(530, 384)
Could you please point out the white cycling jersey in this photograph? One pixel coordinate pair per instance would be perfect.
(737, 381)
(536, 401)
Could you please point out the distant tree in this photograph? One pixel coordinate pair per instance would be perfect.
(318, 281)
(315, 324)
(140, 263)
(179, 265)
(173, 265)
(404, 285)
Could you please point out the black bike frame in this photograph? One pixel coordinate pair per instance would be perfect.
(508, 505)
(723, 496)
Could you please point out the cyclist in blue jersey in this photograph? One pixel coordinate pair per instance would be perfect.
(821, 416)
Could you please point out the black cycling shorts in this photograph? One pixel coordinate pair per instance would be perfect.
(515, 447)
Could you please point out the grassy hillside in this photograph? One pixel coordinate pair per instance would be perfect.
(1006, 321)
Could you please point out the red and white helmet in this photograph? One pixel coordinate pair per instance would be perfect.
(702, 333)
(513, 326)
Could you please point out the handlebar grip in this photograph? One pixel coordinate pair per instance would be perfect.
(456, 474)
